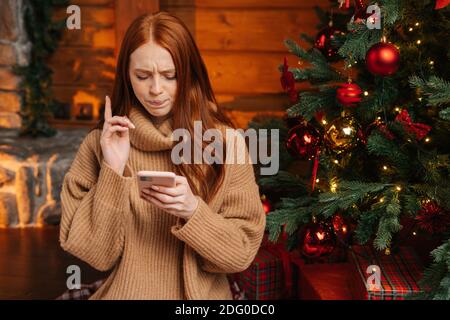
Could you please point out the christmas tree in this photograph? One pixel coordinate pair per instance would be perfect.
(373, 129)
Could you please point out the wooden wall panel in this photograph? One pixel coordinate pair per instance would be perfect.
(127, 11)
(244, 72)
(238, 4)
(84, 64)
(246, 29)
(242, 43)
(97, 30)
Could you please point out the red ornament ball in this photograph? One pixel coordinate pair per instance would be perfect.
(339, 224)
(319, 240)
(348, 94)
(324, 39)
(382, 59)
(340, 227)
(363, 135)
(267, 206)
(303, 141)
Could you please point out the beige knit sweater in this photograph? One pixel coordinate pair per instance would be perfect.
(153, 254)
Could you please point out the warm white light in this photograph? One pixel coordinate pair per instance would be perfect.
(427, 139)
(347, 131)
(385, 167)
(417, 24)
(410, 29)
(418, 42)
(333, 187)
(366, 93)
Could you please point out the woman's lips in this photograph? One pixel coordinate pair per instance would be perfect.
(156, 103)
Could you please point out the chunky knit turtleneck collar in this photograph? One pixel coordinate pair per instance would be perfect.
(147, 136)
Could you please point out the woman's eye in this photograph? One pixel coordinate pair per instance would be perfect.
(141, 77)
(171, 77)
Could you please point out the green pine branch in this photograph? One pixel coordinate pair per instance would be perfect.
(436, 278)
(435, 89)
(389, 223)
(384, 94)
(291, 213)
(445, 114)
(379, 145)
(367, 225)
(391, 11)
(320, 72)
(348, 193)
(358, 42)
(311, 102)
(283, 180)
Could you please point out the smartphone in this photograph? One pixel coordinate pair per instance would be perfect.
(160, 178)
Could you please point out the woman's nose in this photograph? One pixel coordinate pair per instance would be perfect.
(155, 88)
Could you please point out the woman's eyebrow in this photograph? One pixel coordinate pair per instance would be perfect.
(148, 71)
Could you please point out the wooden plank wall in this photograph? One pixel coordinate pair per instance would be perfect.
(241, 42)
(84, 63)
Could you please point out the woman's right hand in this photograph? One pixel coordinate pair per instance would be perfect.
(115, 139)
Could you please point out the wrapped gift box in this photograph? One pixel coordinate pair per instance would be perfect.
(399, 273)
(264, 279)
(321, 281)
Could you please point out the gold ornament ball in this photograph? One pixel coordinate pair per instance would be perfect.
(342, 134)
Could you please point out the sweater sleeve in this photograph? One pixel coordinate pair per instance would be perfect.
(227, 241)
(94, 203)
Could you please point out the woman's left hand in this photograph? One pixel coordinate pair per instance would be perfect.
(179, 200)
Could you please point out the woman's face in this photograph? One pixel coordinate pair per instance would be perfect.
(153, 78)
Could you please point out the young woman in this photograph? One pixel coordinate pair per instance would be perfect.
(163, 243)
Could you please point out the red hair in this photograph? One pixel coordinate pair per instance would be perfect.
(194, 99)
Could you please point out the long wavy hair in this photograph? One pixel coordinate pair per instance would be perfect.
(194, 98)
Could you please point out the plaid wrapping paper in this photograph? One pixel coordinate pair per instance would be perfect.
(263, 280)
(400, 273)
(83, 293)
(87, 290)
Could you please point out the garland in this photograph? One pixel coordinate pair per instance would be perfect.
(37, 101)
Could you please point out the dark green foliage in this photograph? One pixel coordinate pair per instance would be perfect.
(37, 99)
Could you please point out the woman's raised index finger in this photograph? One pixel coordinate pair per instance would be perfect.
(108, 112)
